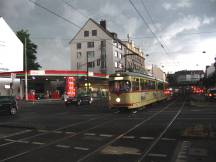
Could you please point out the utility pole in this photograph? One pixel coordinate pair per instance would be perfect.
(26, 73)
(87, 73)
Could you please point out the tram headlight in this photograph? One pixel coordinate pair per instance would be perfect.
(118, 99)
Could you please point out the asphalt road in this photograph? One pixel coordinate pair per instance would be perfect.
(171, 131)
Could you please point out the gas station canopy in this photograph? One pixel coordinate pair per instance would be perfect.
(52, 73)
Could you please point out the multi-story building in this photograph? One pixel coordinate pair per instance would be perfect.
(103, 51)
(209, 71)
(188, 77)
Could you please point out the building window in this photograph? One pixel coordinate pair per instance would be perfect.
(79, 46)
(103, 43)
(98, 62)
(116, 64)
(86, 33)
(119, 46)
(120, 55)
(90, 54)
(94, 32)
(120, 65)
(79, 54)
(90, 44)
(78, 65)
(116, 54)
(91, 64)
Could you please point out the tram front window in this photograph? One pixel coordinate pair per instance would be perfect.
(120, 86)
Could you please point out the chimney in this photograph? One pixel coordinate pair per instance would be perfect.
(103, 24)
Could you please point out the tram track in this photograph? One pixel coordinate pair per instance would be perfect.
(84, 158)
(53, 142)
(46, 132)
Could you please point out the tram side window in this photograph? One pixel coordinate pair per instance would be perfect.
(135, 85)
(150, 85)
(160, 86)
(143, 84)
(119, 86)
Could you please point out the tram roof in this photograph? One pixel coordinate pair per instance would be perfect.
(136, 75)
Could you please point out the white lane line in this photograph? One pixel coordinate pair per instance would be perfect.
(182, 157)
(70, 132)
(81, 148)
(21, 141)
(157, 155)
(168, 139)
(17, 133)
(59, 132)
(106, 135)
(18, 141)
(63, 146)
(10, 140)
(89, 134)
(128, 137)
(147, 138)
(38, 143)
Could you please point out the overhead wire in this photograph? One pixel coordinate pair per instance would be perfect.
(153, 23)
(147, 25)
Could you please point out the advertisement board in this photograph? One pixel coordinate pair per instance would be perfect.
(70, 86)
(11, 49)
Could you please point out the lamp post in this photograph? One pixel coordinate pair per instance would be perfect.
(26, 74)
(87, 69)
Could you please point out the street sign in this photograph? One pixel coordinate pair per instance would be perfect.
(70, 86)
(37, 72)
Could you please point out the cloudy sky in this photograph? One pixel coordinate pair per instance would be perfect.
(182, 29)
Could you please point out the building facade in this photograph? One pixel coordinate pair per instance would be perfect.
(188, 77)
(209, 71)
(95, 49)
(11, 59)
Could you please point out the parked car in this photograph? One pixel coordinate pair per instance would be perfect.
(211, 94)
(80, 98)
(8, 104)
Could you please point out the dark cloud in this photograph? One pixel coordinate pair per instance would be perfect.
(175, 21)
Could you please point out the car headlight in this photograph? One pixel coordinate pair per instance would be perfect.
(118, 99)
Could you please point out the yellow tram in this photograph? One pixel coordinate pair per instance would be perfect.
(133, 90)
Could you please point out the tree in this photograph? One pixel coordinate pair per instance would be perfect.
(31, 50)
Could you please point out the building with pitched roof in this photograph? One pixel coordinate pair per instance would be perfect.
(94, 48)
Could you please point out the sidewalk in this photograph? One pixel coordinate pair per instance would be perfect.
(200, 101)
(43, 101)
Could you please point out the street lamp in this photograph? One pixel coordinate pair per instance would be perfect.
(26, 74)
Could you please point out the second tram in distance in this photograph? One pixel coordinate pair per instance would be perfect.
(133, 90)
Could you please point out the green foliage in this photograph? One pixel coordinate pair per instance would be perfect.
(31, 50)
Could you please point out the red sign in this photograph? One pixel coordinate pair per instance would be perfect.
(70, 86)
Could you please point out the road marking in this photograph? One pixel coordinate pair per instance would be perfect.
(70, 132)
(106, 135)
(168, 139)
(57, 132)
(182, 156)
(10, 140)
(17, 133)
(63, 146)
(128, 137)
(89, 134)
(157, 155)
(147, 138)
(20, 141)
(81, 148)
(38, 143)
